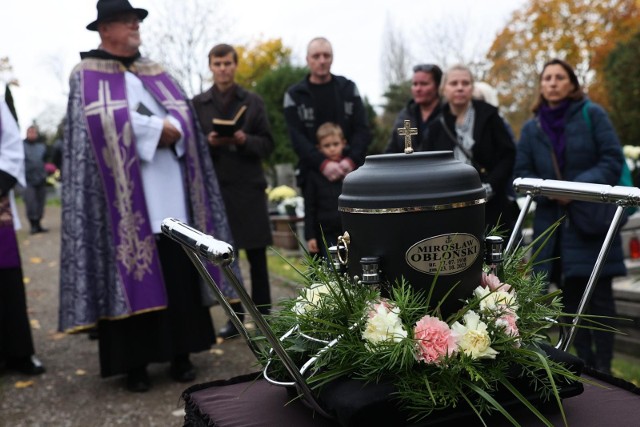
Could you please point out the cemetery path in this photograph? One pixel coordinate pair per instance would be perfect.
(71, 392)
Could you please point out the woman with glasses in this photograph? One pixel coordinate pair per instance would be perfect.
(477, 135)
(420, 110)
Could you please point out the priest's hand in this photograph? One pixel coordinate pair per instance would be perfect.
(170, 134)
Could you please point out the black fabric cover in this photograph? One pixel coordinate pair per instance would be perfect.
(355, 403)
(251, 401)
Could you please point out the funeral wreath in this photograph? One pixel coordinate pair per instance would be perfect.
(393, 333)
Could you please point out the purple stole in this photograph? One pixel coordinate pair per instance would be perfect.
(106, 112)
(9, 252)
(165, 91)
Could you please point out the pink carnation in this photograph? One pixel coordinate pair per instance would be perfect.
(384, 302)
(435, 339)
(492, 281)
(509, 322)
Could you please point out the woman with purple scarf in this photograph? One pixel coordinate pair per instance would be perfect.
(572, 139)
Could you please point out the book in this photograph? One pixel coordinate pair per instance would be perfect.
(144, 110)
(225, 127)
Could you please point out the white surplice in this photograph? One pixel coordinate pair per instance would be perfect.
(161, 172)
(11, 155)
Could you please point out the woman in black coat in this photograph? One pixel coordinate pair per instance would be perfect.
(423, 107)
(476, 134)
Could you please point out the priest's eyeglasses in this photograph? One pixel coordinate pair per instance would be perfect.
(127, 19)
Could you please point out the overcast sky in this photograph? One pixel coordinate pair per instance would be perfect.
(42, 38)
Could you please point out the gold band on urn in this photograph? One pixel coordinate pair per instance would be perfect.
(380, 211)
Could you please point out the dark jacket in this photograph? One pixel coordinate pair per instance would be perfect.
(593, 154)
(300, 115)
(239, 168)
(493, 154)
(321, 208)
(410, 112)
(35, 155)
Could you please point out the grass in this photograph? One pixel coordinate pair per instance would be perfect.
(284, 264)
(627, 368)
(623, 366)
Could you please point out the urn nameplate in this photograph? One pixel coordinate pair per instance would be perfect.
(444, 255)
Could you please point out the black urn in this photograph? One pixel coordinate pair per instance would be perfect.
(422, 216)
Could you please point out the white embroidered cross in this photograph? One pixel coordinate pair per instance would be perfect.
(104, 105)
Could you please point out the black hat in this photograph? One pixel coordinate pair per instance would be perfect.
(109, 8)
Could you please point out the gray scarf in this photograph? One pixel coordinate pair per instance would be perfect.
(464, 132)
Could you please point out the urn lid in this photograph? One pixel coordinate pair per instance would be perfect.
(432, 180)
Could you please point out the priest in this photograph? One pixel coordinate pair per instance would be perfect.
(16, 343)
(133, 155)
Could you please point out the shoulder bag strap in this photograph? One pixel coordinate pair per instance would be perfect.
(585, 114)
(455, 140)
(554, 161)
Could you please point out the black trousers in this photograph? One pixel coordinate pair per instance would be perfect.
(35, 199)
(184, 327)
(594, 347)
(259, 274)
(15, 330)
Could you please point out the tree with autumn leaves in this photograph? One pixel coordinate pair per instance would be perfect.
(622, 73)
(582, 32)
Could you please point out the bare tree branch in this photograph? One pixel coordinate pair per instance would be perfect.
(453, 40)
(183, 46)
(396, 59)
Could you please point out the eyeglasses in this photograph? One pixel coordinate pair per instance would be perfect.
(427, 68)
(128, 19)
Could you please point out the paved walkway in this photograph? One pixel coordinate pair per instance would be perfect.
(71, 392)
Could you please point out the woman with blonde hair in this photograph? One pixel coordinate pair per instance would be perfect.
(476, 134)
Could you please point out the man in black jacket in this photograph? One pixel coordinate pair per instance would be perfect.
(324, 97)
(237, 160)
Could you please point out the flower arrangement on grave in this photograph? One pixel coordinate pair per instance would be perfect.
(287, 201)
(632, 157)
(281, 193)
(394, 333)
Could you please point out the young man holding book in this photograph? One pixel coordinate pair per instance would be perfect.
(237, 129)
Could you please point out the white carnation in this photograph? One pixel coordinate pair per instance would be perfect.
(310, 298)
(473, 337)
(384, 325)
(495, 300)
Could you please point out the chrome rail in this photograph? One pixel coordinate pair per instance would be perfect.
(197, 245)
(623, 197)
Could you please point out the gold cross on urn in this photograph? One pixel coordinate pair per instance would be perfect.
(407, 131)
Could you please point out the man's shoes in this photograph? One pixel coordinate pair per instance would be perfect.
(93, 333)
(182, 370)
(138, 380)
(37, 228)
(228, 331)
(29, 365)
